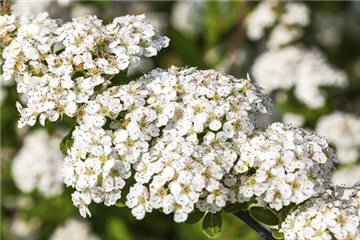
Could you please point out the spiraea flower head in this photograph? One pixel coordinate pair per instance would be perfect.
(284, 165)
(325, 218)
(176, 132)
(58, 67)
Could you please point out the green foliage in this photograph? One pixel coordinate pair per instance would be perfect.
(195, 217)
(120, 204)
(220, 17)
(277, 235)
(286, 210)
(211, 224)
(66, 142)
(264, 215)
(236, 207)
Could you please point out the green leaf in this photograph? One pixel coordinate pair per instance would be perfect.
(282, 213)
(195, 217)
(211, 224)
(264, 215)
(120, 204)
(66, 142)
(236, 207)
(286, 210)
(277, 235)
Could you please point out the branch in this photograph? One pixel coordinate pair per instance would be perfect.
(237, 36)
(263, 232)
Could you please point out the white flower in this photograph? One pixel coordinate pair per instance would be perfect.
(289, 164)
(68, 49)
(180, 211)
(138, 201)
(73, 229)
(282, 35)
(81, 201)
(295, 67)
(286, 19)
(296, 13)
(341, 176)
(261, 18)
(292, 118)
(187, 17)
(27, 7)
(128, 147)
(154, 125)
(219, 196)
(342, 129)
(178, 130)
(88, 172)
(38, 166)
(324, 218)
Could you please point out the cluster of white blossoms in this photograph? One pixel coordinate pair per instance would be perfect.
(75, 230)
(343, 130)
(7, 31)
(285, 20)
(295, 67)
(294, 119)
(174, 140)
(38, 164)
(287, 165)
(187, 17)
(58, 67)
(176, 132)
(8, 25)
(325, 218)
(31, 7)
(341, 176)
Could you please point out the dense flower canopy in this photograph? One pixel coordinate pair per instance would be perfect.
(343, 130)
(325, 218)
(178, 140)
(58, 67)
(45, 161)
(161, 127)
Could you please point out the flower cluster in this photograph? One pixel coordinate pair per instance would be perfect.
(59, 67)
(341, 176)
(343, 130)
(296, 67)
(174, 140)
(8, 25)
(176, 130)
(284, 165)
(325, 218)
(286, 20)
(7, 28)
(73, 229)
(294, 119)
(38, 164)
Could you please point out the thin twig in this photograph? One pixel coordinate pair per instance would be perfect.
(246, 218)
(237, 36)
